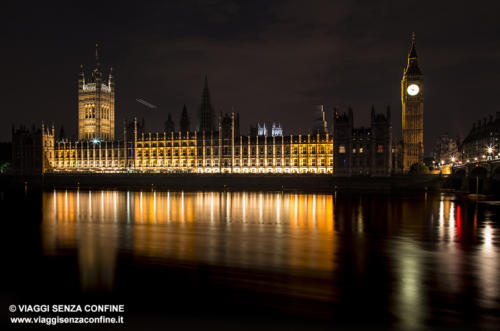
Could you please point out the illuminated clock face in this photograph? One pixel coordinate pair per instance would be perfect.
(413, 89)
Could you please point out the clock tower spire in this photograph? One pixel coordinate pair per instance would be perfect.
(412, 100)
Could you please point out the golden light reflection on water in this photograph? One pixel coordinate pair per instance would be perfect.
(259, 230)
(436, 242)
(443, 268)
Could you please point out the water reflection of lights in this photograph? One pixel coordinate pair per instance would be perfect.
(115, 218)
(260, 223)
(78, 203)
(360, 216)
(278, 206)
(310, 211)
(487, 238)
(90, 203)
(408, 297)
(488, 267)
(128, 206)
(449, 228)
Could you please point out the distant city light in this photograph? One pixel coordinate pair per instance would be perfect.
(490, 150)
(95, 141)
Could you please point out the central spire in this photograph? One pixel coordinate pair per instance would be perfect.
(206, 110)
(97, 54)
(412, 68)
(413, 50)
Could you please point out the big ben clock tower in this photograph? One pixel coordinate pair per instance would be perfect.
(412, 99)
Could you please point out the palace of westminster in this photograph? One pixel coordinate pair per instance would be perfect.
(217, 145)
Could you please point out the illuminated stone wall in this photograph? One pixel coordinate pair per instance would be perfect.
(96, 107)
(412, 100)
(195, 153)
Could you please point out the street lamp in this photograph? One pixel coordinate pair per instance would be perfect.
(490, 151)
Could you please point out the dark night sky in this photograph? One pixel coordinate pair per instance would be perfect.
(271, 61)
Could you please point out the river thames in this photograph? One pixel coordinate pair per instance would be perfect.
(202, 259)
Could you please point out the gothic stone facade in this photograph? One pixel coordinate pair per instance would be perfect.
(219, 151)
(96, 106)
(412, 99)
(362, 151)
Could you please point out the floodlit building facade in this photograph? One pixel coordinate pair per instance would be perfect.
(412, 102)
(96, 105)
(192, 152)
(216, 145)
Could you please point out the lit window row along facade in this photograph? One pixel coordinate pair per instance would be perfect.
(192, 152)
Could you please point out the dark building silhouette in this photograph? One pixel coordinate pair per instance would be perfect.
(185, 124)
(362, 151)
(207, 114)
(130, 127)
(483, 141)
(320, 123)
(27, 158)
(169, 124)
(62, 134)
(5, 155)
(253, 131)
(226, 123)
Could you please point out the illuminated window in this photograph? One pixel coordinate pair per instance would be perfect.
(380, 148)
(354, 150)
(361, 150)
(341, 149)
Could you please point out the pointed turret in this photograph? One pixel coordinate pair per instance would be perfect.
(169, 125)
(206, 110)
(81, 78)
(82, 74)
(185, 123)
(110, 77)
(412, 68)
(97, 55)
(206, 93)
(96, 73)
(412, 54)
